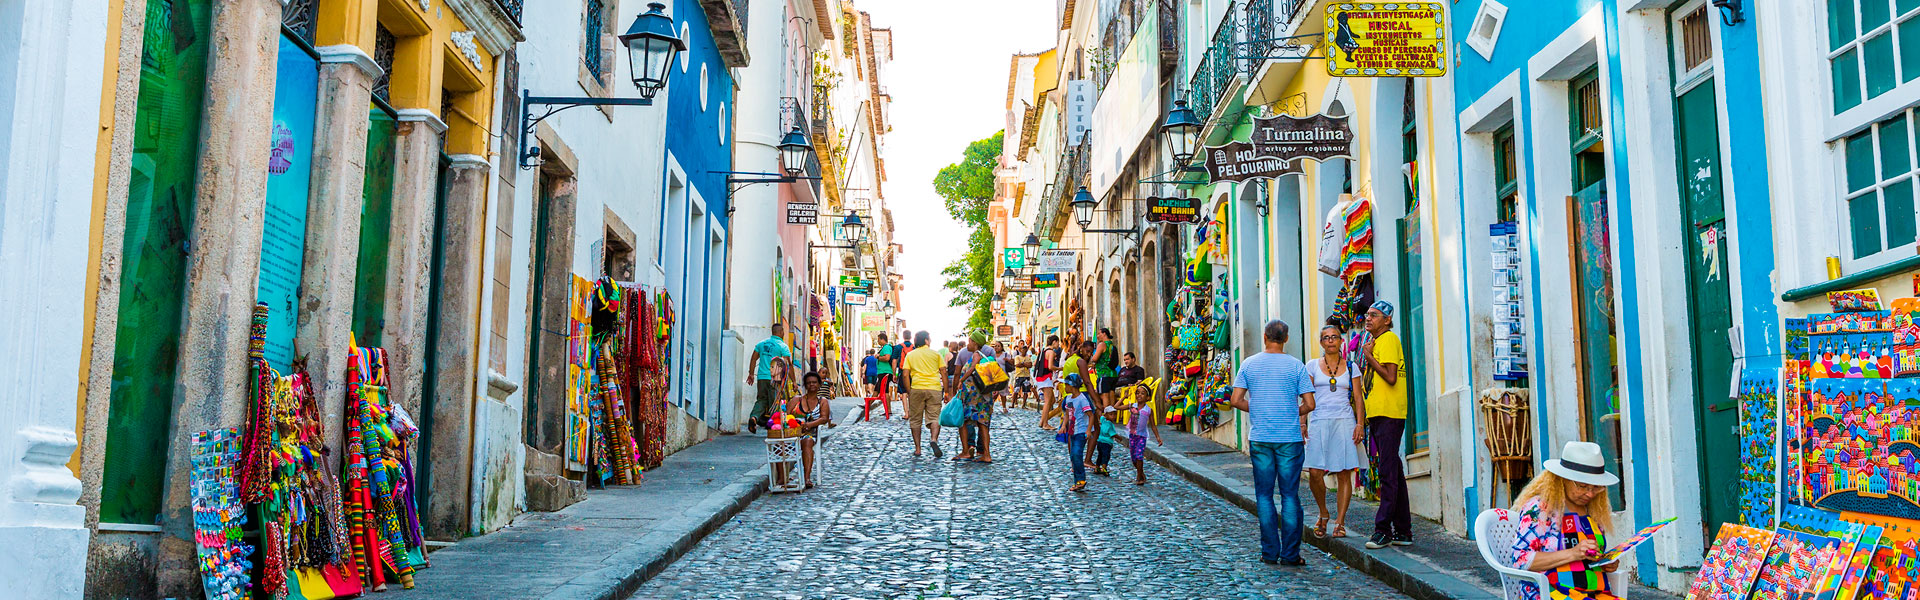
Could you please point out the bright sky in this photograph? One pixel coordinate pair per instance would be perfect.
(949, 87)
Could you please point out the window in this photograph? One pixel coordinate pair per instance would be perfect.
(383, 43)
(1873, 47)
(1506, 184)
(1486, 28)
(1588, 133)
(1879, 176)
(591, 44)
(1693, 44)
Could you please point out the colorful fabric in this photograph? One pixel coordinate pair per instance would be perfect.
(1543, 532)
(1137, 448)
(978, 404)
(1356, 255)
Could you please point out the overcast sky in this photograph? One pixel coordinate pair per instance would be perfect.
(949, 86)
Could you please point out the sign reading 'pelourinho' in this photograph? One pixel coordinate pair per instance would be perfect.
(1239, 161)
(1386, 39)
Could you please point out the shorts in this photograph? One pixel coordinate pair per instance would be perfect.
(1023, 384)
(1106, 384)
(923, 407)
(900, 383)
(873, 379)
(1137, 448)
(1044, 382)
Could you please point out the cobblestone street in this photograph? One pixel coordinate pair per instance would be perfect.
(886, 525)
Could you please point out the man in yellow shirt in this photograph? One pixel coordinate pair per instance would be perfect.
(924, 369)
(1386, 407)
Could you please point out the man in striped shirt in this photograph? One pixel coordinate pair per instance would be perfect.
(1276, 391)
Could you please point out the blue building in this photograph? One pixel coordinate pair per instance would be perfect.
(1622, 142)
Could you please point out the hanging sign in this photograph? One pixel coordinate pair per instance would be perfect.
(1386, 40)
(873, 321)
(849, 281)
(1046, 281)
(855, 298)
(1238, 161)
(1173, 210)
(803, 213)
(1318, 137)
(1058, 261)
(1015, 258)
(1004, 331)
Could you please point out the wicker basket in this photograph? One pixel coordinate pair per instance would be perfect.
(1508, 432)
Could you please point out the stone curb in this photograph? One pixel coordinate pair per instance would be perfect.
(1398, 570)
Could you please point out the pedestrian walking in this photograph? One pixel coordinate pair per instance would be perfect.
(1022, 359)
(1564, 520)
(1139, 424)
(761, 378)
(1076, 427)
(978, 403)
(1106, 365)
(898, 389)
(1333, 431)
(889, 369)
(870, 372)
(924, 372)
(1045, 371)
(1386, 410)
(1276, 391)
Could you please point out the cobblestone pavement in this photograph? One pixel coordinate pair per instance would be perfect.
(883, 524)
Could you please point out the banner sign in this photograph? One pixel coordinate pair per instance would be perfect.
(1059, 261)
(1386, 40)
(1318, 137)
(849, 281)
(855, 298)
(873, 321)
(803, 213)
(1079, 110)
(1015, 258)
(1238, 161)
(1004, 331)
(1046, 280)
(1173, 210)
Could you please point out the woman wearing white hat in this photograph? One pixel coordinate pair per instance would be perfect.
(1564, 519)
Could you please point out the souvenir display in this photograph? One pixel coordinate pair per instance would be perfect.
(218, 515)
(1854, 300)
(580, 438)
(1891, 572)
(1759, 444)
(382, 523)
(1731, 564)
(1646, 533)
(1509, 345)
(1199, 352)
(1849, 563)
(1805, 547)
(613, 429)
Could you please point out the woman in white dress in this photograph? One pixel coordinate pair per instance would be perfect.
(1333, 430)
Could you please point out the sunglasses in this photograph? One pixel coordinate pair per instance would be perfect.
(1329, 337)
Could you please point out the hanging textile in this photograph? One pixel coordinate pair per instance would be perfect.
(619, 465)
(647, 373)
(383, 523)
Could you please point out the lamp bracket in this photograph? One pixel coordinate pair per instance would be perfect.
(530, 152)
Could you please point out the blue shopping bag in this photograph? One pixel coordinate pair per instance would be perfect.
(953, 414)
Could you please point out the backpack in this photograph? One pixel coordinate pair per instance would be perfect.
(1044, 366)
(990, 376)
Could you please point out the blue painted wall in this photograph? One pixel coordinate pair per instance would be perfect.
(694, 132)
(1747, 172)
(1530, 25)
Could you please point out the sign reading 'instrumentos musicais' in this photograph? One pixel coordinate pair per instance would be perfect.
(1391, 39)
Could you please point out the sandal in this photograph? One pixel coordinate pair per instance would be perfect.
(1340, 531)
(1320, 528)
(1078, 486)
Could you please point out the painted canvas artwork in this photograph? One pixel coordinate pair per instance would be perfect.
(579, 374)
(1731, 565)
(1890, 573)
(1759, 445)
(1850, 575)
(1862, 446)
(1793, 400)
(1794, 564)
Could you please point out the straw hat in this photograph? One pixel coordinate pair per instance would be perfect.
(1582, 462)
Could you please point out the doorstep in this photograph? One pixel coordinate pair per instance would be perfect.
(1439, 566)
(604, 547)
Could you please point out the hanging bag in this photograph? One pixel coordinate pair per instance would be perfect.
(954, 413)
(990, 376)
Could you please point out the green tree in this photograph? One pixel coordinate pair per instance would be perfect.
(966, 187)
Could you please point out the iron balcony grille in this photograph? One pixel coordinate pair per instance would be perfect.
(512, 8)
(793, 113)
(1169, 32)
(1219, 65)
(1067, 179)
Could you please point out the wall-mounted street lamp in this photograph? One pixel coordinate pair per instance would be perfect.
(1182, 130)
(651, 48)
(793, 151)
(1032, 245)
(856, 231)
(1083, 204)
(1729, 12)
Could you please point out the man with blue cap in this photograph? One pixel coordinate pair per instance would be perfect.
(1386, 407)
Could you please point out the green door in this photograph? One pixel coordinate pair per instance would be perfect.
(1709, 303)
(1413, 333)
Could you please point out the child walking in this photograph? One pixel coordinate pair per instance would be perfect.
(1077, 426)
(1138, 425)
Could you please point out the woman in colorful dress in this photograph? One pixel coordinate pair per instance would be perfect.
(976, 441)
(1564, 519)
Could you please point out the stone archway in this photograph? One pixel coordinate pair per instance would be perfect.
(1153, 317)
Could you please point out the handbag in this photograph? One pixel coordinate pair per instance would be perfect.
(1222, 335)
(1188, 337)
(953, 414)
(990, 376)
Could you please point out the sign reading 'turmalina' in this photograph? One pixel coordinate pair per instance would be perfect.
(1391, 39)
(1318, 137)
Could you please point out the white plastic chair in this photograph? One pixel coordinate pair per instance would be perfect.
(1494, 531)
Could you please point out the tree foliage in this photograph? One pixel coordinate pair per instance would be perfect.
(966, 188)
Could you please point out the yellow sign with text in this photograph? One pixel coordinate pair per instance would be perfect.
(1392, 39)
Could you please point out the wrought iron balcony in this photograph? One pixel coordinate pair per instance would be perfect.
(1219, 65)
(1068, 176)
(512, 8)
(793, 113)
(1169, 33)
(1267, 22)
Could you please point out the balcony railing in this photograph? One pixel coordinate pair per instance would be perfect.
(1266, 24)
(793, 113)
(512, 8)
(1067, 179)
(1219, 65)
(1169, 32)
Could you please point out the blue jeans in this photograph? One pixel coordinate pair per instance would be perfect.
(1278, 464)
(1076, 450)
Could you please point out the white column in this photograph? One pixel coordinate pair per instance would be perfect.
(50, 57)
(754, 223)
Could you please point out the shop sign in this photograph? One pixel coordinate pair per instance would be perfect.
(1046, 281)
(856, 298)
(1238, 161)
(849, 281)
(873, 321)
(803, 213)
(1059, 261)
(1392, 39)
(1015, 258)
(1079, 110)
(1004, 331)
(1173, 210)
(1318, 137)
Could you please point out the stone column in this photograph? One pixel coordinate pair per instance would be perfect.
(416, 181)
(463, 227)
(50, 104)
(333, 231)
(223, 263)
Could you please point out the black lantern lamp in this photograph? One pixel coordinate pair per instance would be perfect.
(1009, 273)
(793, 151)
(651, 47)
(1032, 245)
(1729, 12)
(1083, 204)
(856, 230)
(1182, 130)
